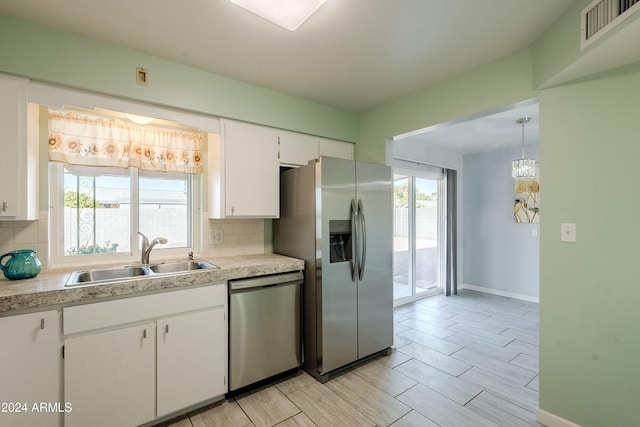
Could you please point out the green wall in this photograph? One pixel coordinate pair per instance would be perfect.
(590, 338)
(559, 47)
(54, 56)
(502, 82)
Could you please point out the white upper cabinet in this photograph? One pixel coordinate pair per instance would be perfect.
(296, 149)
(19, 148)
(244, 171)
(333, 148)
(244, 166)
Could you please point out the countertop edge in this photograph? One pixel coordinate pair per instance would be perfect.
(48, 290)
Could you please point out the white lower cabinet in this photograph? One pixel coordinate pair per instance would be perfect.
(31, 370)
(131, 361)
(191, 359)
(109, 377)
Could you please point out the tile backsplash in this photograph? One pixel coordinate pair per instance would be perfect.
(239, 237)
(16, 235)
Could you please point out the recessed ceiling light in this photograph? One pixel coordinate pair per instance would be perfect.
(289, 14)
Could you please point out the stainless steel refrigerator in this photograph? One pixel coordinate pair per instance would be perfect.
(337, 215)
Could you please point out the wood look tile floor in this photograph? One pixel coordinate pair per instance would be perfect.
(465, 360)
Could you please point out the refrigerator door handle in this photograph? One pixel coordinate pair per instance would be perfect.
(363, 232)
(354, 240)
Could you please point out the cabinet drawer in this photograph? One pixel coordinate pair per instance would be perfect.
(87, 317)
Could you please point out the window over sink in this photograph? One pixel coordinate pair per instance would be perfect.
(97, 211)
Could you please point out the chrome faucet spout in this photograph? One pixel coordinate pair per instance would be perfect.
(146, 248)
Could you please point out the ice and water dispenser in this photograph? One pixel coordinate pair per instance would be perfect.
(340, 241)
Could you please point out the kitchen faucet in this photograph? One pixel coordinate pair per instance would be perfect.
(146, 247)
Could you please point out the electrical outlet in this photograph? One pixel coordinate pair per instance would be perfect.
(216, 237)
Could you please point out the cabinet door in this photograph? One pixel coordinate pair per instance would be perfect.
(109, 377)
(297, 149)
(252, 171)
(339, 149)
(192, 361)
(31, 368)
(13, 122)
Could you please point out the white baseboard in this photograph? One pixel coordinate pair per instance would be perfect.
(550, 420)
(499, 293)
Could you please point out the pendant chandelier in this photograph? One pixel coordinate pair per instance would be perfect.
(523, 168)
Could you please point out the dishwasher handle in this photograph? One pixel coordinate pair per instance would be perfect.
(262, 281)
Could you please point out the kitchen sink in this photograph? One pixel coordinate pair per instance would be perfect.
(117, 274)
(177, 267)
(99, 275)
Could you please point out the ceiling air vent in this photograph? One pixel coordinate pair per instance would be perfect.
(601, 16)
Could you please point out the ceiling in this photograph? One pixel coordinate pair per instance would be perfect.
(351, 54)
(492, 131)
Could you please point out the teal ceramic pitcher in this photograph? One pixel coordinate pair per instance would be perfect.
(22, 264)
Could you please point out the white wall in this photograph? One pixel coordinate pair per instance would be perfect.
(500, 256)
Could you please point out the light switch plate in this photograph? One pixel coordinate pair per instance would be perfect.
(568, 232)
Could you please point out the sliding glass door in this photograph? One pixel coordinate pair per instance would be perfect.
(402, 279)
(418, 234)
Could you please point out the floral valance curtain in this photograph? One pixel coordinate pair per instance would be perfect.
(91, 140)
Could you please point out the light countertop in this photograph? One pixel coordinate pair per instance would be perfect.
(47, 289)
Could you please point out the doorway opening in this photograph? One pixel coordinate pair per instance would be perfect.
(480, 150)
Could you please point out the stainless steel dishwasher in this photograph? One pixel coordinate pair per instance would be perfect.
(264, 327)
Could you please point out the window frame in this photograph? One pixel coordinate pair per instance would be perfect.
(56, 226)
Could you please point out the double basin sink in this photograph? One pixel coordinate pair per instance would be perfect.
(85, 277)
